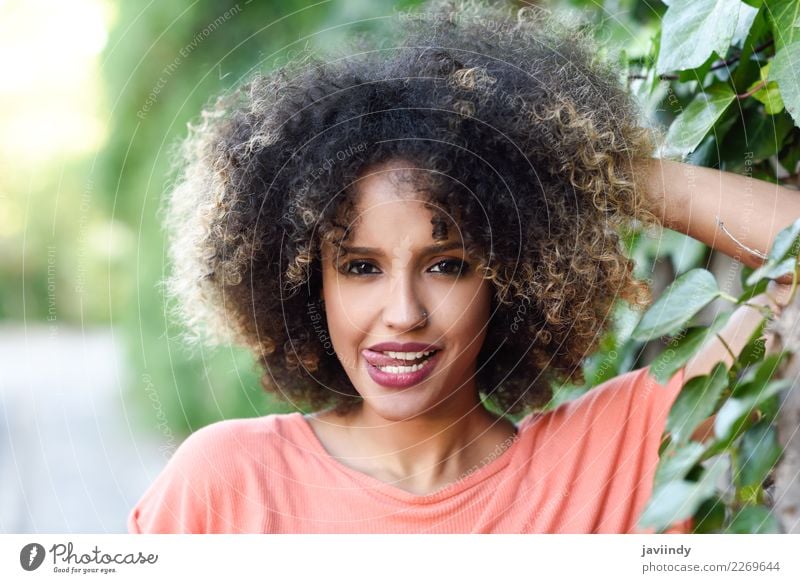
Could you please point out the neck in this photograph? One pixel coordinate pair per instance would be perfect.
(429, 451)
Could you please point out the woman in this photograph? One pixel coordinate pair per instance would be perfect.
(404, 235)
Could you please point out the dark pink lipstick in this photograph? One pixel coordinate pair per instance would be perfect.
(404, 347)
(389, 370)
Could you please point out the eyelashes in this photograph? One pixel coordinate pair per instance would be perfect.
(365, 268)
(359, 267)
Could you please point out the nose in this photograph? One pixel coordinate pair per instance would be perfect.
(403, 308)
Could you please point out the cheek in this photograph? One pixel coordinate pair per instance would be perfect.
(346, 317)
(466, 310)
(343, 317)
(347, 306)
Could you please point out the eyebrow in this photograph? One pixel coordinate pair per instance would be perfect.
(437, 248)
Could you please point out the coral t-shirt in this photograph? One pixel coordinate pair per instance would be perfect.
(586, 466)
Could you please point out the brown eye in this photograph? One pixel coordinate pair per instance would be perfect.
(360, 268)
(450, 267)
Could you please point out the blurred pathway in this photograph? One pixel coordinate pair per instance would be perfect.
(68, 460)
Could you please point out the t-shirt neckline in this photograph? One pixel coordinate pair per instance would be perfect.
(447, 491)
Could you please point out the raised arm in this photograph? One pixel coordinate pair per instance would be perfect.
(693, 200)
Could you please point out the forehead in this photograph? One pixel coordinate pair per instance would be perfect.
(389, 200)
(391, 181)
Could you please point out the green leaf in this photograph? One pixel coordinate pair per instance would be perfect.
(744, 24)
(695, 403)
(789, 156)
(687, 295)
(678, 500)
(707, 153)
(602, 365)
(726, 418)
(770, 96)
(759, 377)
(676, 461)
(786, 243)
(780, 259)
(710, 516)
(772, 270)
(747, 67)
(758, 453)
(694, 122)
(755, 350)
(749, 291)
(755, 137)
(784, 71)
(731, 416)
(685, 252)
(785, 20)
(753, 520)
(694, 29)
(681, 348)
(698, 73)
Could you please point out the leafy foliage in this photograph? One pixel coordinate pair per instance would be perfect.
(752, 447)
(721, 76)
(683, 299)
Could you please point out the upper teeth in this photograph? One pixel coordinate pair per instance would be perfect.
(408, 355)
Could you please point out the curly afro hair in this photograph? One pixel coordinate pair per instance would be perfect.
(511, 105)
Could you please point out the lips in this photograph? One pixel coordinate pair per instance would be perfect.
(381, 359)
(375, 355)
(400, 376)
(404, 347)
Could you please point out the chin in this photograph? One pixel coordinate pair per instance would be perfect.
(398, 414)
(401, 404)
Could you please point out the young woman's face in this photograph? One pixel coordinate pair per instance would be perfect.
(396, 284)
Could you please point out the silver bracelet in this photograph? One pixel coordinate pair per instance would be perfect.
(739, 243)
